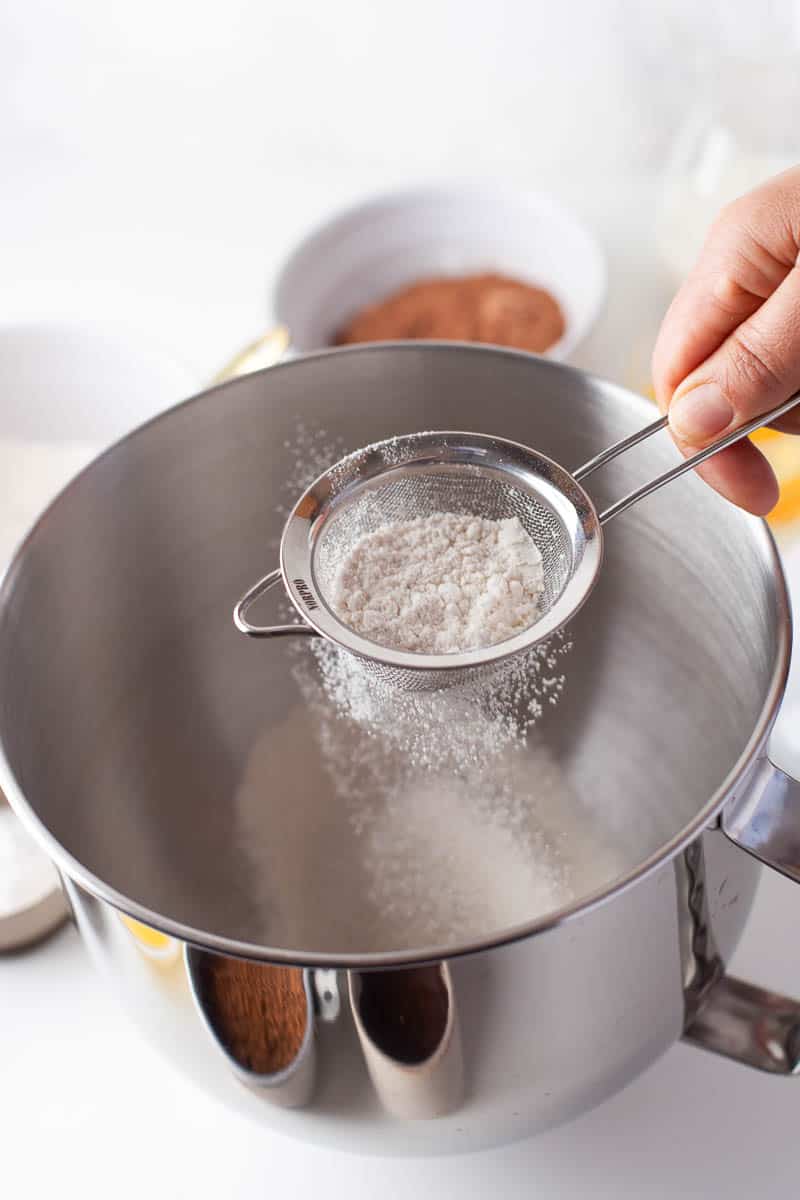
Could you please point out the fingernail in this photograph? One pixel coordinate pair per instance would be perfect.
(700, 413)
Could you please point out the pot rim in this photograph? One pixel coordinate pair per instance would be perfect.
(65, 862)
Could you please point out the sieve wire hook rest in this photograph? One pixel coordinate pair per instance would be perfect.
(266, 631)
(688, 464)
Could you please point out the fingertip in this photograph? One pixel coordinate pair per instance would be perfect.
(769, 499)
(790, 423)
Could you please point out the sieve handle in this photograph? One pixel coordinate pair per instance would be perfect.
(688, 464)
(266, 631)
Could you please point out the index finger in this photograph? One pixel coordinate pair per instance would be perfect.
(749, 251)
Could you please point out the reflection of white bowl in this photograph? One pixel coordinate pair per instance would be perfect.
(369, 250)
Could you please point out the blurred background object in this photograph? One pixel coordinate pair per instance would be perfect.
(740, 124)
(740, 127)
(359, 266)
(70, 389)
(162, 155)
(32, 903)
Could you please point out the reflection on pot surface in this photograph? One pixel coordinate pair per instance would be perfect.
(262, 1019)
(532, 1031)
(407, 1023)
(725, 1014)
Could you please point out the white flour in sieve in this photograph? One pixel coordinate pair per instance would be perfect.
(26, 874)
(441, 583)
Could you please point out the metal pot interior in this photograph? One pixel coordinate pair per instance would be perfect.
(187, 774)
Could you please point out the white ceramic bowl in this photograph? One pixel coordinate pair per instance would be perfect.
(90, 382)
(69, 390)
(371, 249)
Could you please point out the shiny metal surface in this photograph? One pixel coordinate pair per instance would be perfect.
(243, 606)
(765, 820)
(750, 1025)
(611, 452)
(185, 785)
(721, 1013)
(176, 776)
(411, 1045)
(548, 1026)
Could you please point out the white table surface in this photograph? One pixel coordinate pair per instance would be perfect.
(87, 1109)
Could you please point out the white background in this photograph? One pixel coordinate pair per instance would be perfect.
(170, 149)
(157, 161)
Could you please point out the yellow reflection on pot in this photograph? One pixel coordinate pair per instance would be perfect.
(152, 942)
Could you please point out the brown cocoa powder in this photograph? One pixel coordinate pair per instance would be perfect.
(472, 308)
(259, 1012)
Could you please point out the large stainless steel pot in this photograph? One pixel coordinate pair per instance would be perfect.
(132, 715)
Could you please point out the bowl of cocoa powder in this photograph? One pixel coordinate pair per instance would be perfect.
(482, 263)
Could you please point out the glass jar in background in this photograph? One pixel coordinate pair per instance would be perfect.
(740, 128)
(741, 75)
(742, 132)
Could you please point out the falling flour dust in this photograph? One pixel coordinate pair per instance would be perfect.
(429, 818)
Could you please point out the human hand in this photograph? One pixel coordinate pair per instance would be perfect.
(729, 346)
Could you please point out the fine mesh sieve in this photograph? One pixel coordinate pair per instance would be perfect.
(463, 473)
(473, 491)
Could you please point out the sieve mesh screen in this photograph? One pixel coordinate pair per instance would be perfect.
(465, 490)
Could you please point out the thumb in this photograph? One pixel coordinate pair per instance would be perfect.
(754, 370)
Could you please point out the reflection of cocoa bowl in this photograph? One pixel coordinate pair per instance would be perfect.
(261, 1017)
(484, 263)
(466, 308)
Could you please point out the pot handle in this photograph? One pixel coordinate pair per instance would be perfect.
(765, 820)
(754, 1027)
(265, 631)
(737, 1019)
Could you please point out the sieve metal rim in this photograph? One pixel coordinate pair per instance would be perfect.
(440, 450)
